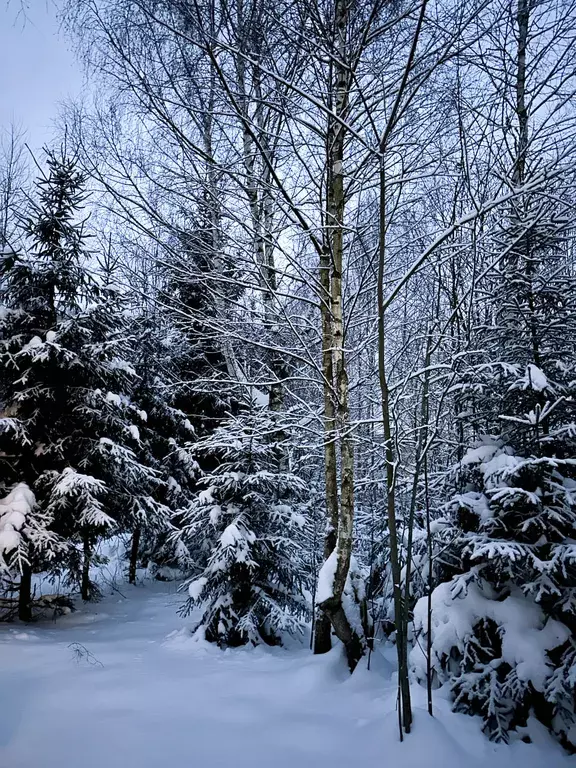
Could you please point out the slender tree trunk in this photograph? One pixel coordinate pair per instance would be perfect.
(322, 629)
(430, 588)
(25, 594)
(134, 549)
(405, 708)
(421, 451)
(85, 590)
(522, 19)
(334, 346)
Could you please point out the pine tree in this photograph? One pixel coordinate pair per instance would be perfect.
(190, 307)
(70, 430)
(245, 532)
(165, 431)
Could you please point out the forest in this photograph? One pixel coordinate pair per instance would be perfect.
(288, 330)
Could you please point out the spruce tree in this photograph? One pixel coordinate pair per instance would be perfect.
(505, 539)
(166, 430)
(246, 535)
(504, 621)
(189, 305)
(70, 429)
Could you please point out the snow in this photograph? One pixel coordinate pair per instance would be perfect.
(34, 343)
(71, 482)
(135, 432)
(526, 636)
(232, 535)
(114, 398)
(535, 379)
(215, 514)
(123, 683)
(297, 519)
(206, 496)
(476, 503)
(51, 336)
(13, 511)
(195, 587)
(495, 462)
(9, 539)
(498, 468)
(480, 454)
(325, 587)
(259, 398)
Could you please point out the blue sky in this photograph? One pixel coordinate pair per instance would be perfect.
(37, 69)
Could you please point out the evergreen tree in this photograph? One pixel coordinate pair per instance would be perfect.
(245, 532)
(190, 306)
(165, 431)
(505, 538)
(70, 430)
(505, 620)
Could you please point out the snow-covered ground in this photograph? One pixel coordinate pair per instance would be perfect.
(150, 697)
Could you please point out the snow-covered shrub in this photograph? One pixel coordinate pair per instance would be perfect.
(245, 534)
(502, 627)
(503, 624)
(497, 656)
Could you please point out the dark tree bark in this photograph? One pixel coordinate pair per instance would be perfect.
(25, 594)
(85, 587)
(134, 549)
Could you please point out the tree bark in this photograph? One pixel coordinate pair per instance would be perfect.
(134, 549)
(25, 594)
(336, 379)
(85, 589)
(405, 707)
(322, 629)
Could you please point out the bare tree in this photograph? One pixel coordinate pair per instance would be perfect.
(13, 182)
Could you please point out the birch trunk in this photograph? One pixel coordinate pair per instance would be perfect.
(336, 378)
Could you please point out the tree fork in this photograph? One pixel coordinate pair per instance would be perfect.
(353, 643)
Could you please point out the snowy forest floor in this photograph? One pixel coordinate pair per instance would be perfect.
(150, 697)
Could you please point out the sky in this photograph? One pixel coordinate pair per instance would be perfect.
(38, 70)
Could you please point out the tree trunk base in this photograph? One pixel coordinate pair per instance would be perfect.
(354, 645)
(322, 634)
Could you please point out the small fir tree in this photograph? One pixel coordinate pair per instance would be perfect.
(245, 534)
